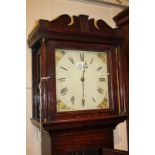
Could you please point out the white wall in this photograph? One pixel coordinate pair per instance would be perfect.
(49, 9)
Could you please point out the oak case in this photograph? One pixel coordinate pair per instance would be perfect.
(74, 130)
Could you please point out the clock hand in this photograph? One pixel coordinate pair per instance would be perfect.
(83, 83)
(82, 80)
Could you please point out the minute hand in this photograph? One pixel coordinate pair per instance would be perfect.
(82, 80)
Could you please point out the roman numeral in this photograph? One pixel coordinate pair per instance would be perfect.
(83, 102)
(102, 79)
(93, 99)
(82, 57)
(99, 68)
(64, 68)
(62, 79)
(72, 99)
(71, 59)
(100, 90)
(64, 91)
(91, 60)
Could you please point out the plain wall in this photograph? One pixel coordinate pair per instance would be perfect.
(49, 9)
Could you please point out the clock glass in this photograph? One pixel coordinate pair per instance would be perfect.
(81, 80)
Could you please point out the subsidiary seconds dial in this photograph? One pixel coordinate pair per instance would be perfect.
(81, 80)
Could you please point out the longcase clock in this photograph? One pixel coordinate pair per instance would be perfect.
(76, 84)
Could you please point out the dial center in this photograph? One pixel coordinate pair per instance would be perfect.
(82, 79)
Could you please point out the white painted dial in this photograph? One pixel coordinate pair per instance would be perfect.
(81, 80)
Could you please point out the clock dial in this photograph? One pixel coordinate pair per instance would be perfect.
(81, 80)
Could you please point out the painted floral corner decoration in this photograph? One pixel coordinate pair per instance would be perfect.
(62, 107)
(58, 55)
(104, 104)
(103, 57)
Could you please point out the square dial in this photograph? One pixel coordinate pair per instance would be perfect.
(81, 80)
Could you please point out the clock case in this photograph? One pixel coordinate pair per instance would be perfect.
(94, 126)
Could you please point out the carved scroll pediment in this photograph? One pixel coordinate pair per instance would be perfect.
(75, 25)
(79, 23)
